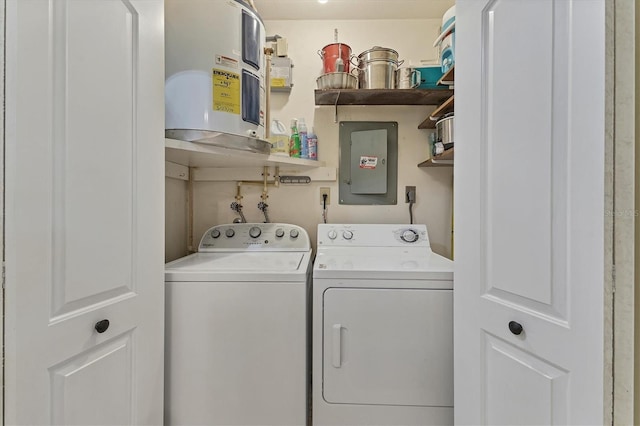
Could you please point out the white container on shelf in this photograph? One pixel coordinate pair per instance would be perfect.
(447, 39)
(279, 138)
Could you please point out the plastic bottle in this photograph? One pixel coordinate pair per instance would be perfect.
(302, 131)
(294, 142)
(279, 138)
(312, 142)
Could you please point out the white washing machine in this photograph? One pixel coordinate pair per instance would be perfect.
(382, 327)
(237, 328)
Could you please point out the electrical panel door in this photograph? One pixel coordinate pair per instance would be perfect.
(369, 162)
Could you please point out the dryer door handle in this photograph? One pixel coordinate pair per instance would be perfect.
(337, 346)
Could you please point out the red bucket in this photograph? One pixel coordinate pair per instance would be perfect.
(331, 52)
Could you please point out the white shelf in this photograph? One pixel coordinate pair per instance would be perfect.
(201, 155)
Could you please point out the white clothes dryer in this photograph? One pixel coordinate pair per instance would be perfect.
(237, 328)
(382, 327)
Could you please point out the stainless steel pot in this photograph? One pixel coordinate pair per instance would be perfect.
(378, 75)
(377, 68)
(444, 130)
(378, 53)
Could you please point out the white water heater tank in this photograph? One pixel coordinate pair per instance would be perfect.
(215, 71)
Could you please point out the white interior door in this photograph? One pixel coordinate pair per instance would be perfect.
(529, 188)
(84, 212)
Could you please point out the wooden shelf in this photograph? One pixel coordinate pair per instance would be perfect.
(443, 160)
(382, 96)
(448, 77)
(203, 155)
(430, 122)
(445, 107)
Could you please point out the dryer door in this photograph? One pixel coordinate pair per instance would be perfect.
(388, 346)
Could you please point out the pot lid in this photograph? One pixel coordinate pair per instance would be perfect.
(447, 116)
(378, 49)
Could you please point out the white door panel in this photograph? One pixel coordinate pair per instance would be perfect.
(105, 370)
(90, 137)
(84, 211)
(524, 144)
(529, 204)
(507, 370)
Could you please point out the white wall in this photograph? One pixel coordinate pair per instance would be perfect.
(300, 204)
(176, 231)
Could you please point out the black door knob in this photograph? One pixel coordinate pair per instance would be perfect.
(101, 326)
(515, 328)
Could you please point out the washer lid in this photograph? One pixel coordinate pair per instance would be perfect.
(381, 263)
(239, 266)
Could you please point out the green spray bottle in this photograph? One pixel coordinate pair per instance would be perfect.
(294, 142)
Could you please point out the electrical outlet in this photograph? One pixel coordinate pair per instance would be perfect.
(410, 194)
(325, 190)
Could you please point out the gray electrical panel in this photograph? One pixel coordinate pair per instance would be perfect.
(368, 171)
(369, 162)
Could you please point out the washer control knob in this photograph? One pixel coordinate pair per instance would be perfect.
(409, 236)
(294, 233)
(230, 233)
(347, 235)
(332, 235)
(279, 233)
(255, 232)
(215, 233)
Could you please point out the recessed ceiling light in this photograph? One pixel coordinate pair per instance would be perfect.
(322, 1)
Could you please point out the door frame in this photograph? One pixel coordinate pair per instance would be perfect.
(2, 148)
(636, 394)
(620, 214)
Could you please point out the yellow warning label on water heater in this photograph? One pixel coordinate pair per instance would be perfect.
(226, 91)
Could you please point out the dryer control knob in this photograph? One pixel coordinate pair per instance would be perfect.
(279, 233)
(294, 233)
(409, 236)
(332, 234)
(255, 232)
(215, 233)
(230, 233)
(347, 235)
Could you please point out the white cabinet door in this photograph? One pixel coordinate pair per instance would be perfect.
(529, 199)
(84, 212)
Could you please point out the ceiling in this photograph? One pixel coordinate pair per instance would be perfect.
(352, 9)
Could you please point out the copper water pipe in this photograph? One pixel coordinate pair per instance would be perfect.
(265, 183)
(268, 51)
